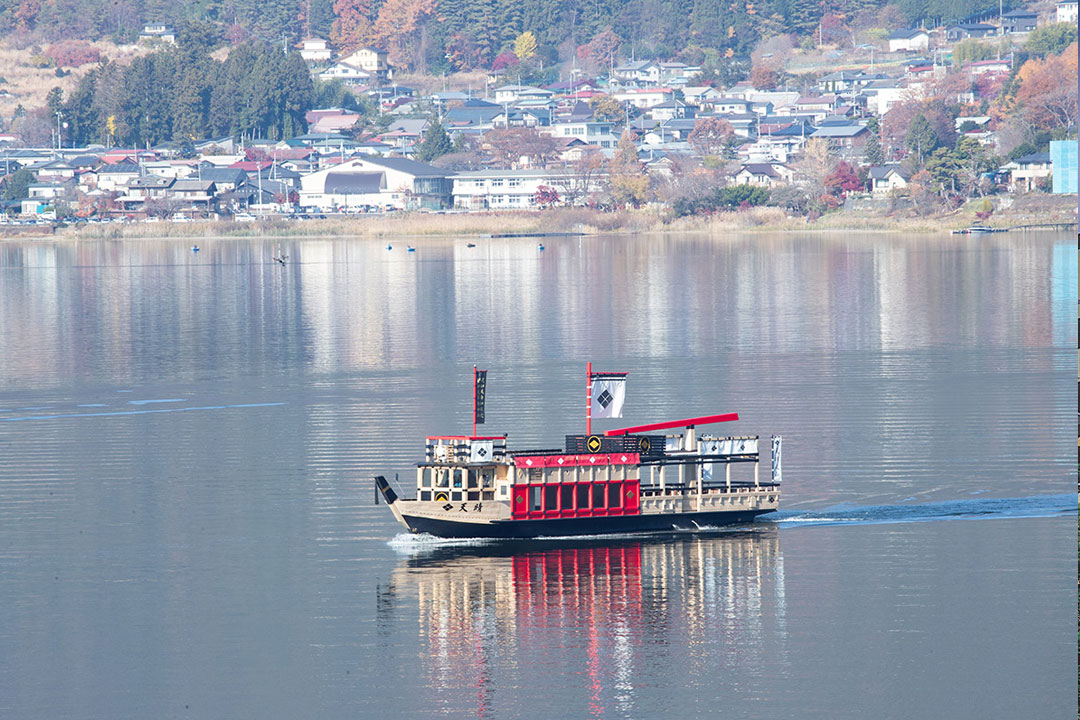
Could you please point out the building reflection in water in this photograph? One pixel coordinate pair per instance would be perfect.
(501, 625)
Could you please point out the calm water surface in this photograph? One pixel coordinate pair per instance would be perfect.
(187, 442)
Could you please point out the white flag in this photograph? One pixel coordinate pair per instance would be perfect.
(480, 451)
(708, 447)
(607, 397)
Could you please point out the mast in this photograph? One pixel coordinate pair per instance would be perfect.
(588, 399)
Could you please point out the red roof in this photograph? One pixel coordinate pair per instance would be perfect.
(251, 165)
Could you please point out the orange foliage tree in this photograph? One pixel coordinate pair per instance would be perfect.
(352, 26)
(1048, 90)
(396, 27)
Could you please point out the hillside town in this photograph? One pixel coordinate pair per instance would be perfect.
(910, 123)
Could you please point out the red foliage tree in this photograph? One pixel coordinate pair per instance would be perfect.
(546, 196)
(842, 180)
(504, 60)
(72, 53)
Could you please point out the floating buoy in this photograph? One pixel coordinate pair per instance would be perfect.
(411, 249)
(195, 248)
(471, 245)
(540, 246)
(389, 247)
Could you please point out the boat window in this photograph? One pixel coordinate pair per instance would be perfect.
(567, 497)
(487, 478)
(455, 496)
(425, 494)
(615, 495)
(536, 497)
(459, 476)
(598, 496)
(474, 495)
(425, 477)
(487, 495)
(536, 475)
(474, 481)
(442, 477)
(551, 497)
(582, 497)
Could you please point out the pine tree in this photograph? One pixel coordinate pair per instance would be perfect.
(436, 143)
(874, 153)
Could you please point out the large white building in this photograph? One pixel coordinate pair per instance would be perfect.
(375, 182)
(516, 189)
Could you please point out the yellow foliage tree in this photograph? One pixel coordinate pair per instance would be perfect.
(629, 183)
(525, 45)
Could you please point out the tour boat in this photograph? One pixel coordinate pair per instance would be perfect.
(626, 480)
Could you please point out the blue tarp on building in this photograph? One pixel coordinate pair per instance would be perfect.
(1063, 157)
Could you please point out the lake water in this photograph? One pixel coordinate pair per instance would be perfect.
(187, 440)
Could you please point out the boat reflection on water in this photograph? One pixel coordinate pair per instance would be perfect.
(502, 627)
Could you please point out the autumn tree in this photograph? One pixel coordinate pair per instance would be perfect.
(842, 180)
(817, 163)
(1046, 95)
(601, 49)
(546, 196)
(580, 178)
(711, 135)
(510, 146)
(352, 26)
(398, 29)
(629, 183)
(525, 45)
(605, 107)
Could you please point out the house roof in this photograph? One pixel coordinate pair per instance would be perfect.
(341, 183)
(906, 34)
(411, 167)
(766, 169)
(193, 185)
(840, 131)
(880, 172)
(1033, 158)
(1020, 14)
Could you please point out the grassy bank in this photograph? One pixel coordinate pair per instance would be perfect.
(1022, 210)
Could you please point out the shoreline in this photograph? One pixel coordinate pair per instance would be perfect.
(1033, 210)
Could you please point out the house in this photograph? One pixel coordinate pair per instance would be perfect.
(315, 51)
(1018, 21)
(964, 31)
(769, 174)
(882, 95)
(846, 139)
(886, 178)
(513, 93)
(1026, 172)
(195, 194)
(669, 110)
(640, 72)
(376, 181)
(158, 32)
(1065, 11)
(844, 80)
(915, 40)
(989, 67)
(347, 73)
(116, 177)
(698, 94)
(644, 98)
(371, 60)
(724, 104)
(331, 120)
(593, 132)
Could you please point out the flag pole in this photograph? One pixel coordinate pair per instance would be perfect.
(588, 399)
(474, 401)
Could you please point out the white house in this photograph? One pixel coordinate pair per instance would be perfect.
(1065, 11)
(315, 50)
(644, 72)
(885, 178)
(644, 98)
(346, 73)
(371, 60)
(158, 32)
(769, 174)
(593, 132)
(909, 41)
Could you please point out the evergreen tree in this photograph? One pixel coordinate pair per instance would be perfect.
(921, 138)
(18, 185)
(874, 154)
(436, 143)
